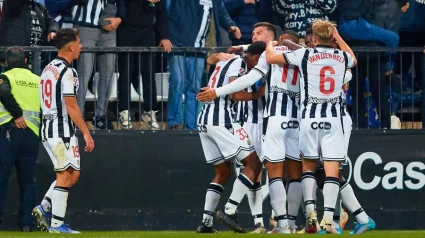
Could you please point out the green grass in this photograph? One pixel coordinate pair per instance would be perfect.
(190, 234)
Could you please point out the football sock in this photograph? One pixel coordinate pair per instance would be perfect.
(350, 202)
(211, 201)
(46, 203)
(309, 185)
(59, 202)
(255, 200)
(240, 188)
(330, 195)
(278, 201)
(295, 194)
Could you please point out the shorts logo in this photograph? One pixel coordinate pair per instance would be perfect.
(290, 125)
(202, 128)
(321, 125)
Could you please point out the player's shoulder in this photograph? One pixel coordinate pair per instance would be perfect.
(281, 49)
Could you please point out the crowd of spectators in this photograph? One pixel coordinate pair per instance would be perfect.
(209, 23)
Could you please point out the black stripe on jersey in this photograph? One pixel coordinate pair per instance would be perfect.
(244, 111)
(284, 107)
(268, 79)
(217, 100)
(323, 111)
(305, 76)
(206, 114)
(294, 108)
(273, 105)
(254, 106)
(313, 110)
(333, 110)
(61, 129)
(286, 58)
(44, 128)
(227, 117)
(259, 71)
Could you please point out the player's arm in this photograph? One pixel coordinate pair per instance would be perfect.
(75, 114)
(291, 45)
(345, 47)
(246, 96)
(214, 58)
(272, 57)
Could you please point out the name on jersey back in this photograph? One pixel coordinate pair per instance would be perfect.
(322, 56)
(52, 69)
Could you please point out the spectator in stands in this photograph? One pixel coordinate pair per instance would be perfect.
(61, 10)
(137, 30)
(412, 33)
(300, 15)
(191, 23)
(245, 13)
(26, 23)
(88, 20)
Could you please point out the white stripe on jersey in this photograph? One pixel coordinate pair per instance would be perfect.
(58, 79)
(254, 109)
(283, 90)
(323, 70)
(219, 111)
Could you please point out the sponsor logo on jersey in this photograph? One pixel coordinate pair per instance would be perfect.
(290, 94)
(321, 125)
(290, 125)
(323, 100)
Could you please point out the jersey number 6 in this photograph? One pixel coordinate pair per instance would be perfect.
(46, 92)
(327, 80)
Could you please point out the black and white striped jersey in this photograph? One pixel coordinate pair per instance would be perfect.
(219, 111)
(254, 109)
(57, 81)
(322, 71)
(283, 90)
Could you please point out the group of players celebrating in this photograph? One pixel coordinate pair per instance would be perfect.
(292, 100)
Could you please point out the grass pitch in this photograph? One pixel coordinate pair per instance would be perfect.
(190, 234)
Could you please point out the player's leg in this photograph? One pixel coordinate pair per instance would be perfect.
(233, 142)
(274, 152)
(309, 149)
(294, 168)
(333, 151)
(349, 199)
(222, 174)
(255, 196)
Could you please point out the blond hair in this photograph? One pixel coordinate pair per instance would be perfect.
(323, 30)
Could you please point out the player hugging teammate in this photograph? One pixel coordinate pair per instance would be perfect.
(304, 125)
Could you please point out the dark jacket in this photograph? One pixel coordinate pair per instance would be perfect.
(246, 15)
(141, 15)
(62, 8)
(386, 14)
(185, 18)
(15, 25)
(413, 19)
(299, 15)
(353, 9)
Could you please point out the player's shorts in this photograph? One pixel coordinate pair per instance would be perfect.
(64, 152)
(281, 139)
(255, 134)
(223, 143)
(322, 138)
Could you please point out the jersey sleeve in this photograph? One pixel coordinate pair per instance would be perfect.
(350, 60)
(236, 69)
(295, 57)
(69, 83)
(262, 67)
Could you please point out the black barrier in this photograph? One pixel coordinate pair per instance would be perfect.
(157, 181)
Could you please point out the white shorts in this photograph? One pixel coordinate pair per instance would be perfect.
(348, 126)
(64, 152)
(281, 139)
(322, 138)
(220, 143)
(255, 134)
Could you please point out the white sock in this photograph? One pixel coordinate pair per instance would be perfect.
(351, 203)
(59, 202)
(240, 188)
(211, 201)
(255, 200)
(309, 185)
(295, 196)
(46, 203)
(330, 195)
(278, 201)
(338, 209)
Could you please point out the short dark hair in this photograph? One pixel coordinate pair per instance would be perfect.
(292, 35)
(64, 36)
(15, 55)
(269, 26)
(256, 48)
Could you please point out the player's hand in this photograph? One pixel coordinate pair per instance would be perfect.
(236, 31)
(250, 1)
(153, 1)
(336, 34)
(273, 43)
(224, 56)
(208, 94)
(89, 143)
(166, 44)
(115, 22)
(405, 7)
(20, 122)
(50, 36)
(234, 49)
